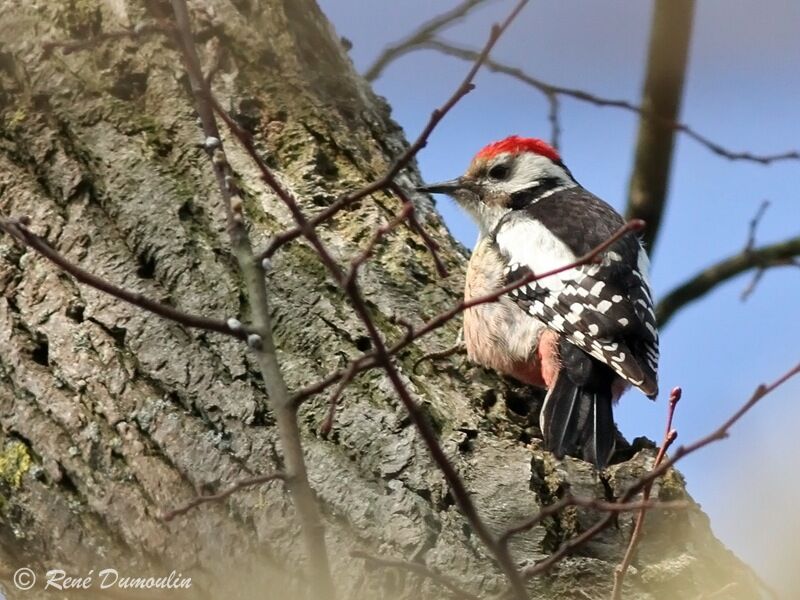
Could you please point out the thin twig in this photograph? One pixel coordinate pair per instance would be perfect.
(748, 247)
(425, 32)
(419, 419)
(553, 116)
(720, 433)
(17, 228)
(748, 290)
(670, 435)
(549, 89)
(263, 344)
(219, 496)
(416, 226)
(408, 155)
(405, 213)
(327, 424)
(359, 365)
(600, 505)
(774, 255)
(754, 223)
(417, 568)
(458, 348)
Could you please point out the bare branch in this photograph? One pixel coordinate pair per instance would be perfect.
(775, 255)
(425, 32)
(670, 435)
(549, 89)
(418, 569)
(458, 348)
(333, 401)
(264, 349)
(383, 357)
(219, 496)
(406, 157)
(722, 431)
(363, 363)
(17, 228)
(667, 57)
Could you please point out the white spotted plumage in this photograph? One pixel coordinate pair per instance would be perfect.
(580, 303)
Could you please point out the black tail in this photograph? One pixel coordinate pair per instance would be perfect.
(577, 418)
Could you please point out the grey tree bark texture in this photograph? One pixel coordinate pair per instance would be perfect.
(111, 416)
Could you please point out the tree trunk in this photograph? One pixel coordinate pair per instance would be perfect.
(111, 416)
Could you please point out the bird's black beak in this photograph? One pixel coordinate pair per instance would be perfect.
(444, 187)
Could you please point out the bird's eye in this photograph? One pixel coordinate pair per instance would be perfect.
(499, 172)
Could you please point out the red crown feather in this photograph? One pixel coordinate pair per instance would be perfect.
(515, 144)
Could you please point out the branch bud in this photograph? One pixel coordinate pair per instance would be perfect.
(254, 341)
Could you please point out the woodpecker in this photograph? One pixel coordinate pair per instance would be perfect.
(586, 334)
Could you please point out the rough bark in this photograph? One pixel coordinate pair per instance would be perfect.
(111, 416)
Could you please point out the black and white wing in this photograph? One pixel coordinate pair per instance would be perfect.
(604, 308)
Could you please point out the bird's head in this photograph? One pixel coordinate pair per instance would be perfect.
(506, 175)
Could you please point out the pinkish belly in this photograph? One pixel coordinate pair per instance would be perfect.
(501, 336)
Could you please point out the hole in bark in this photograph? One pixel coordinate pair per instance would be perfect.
(118, 333)
(175, 398)
(447, 501)
(186, 211)
(489, 399)
(41, 353)
(608, 491)
(325, 165)
(420, 276)
(129, 86)
(249, 114)
(75, 311)
(67, 483)
(624, 451)
(363, 343)
(322, 200)
(147, 266)
(425, 494)
(469, 435)
(518, 405)
(7, 62)
(12, 304)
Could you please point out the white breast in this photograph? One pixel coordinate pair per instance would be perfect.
(528, 242)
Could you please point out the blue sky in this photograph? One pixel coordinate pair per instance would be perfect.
(742, 91)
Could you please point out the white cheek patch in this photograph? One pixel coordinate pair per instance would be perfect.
(530, 168)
